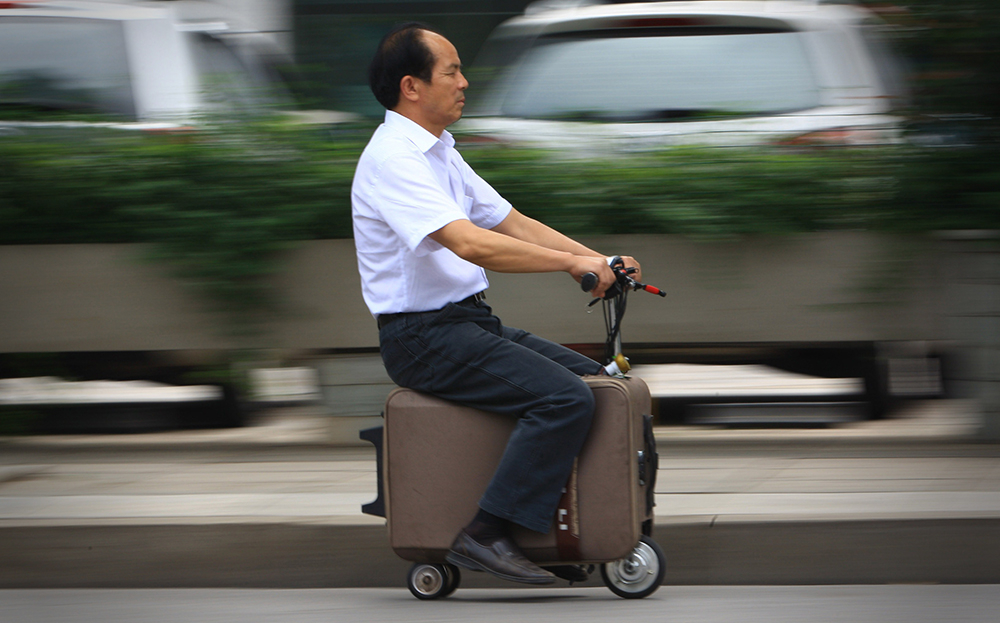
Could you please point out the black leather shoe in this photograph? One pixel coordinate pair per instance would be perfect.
(502, 558)
(572, 573)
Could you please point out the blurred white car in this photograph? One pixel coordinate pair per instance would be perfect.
(150, 62)
(647, 74)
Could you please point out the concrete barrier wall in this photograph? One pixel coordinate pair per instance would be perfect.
(909, 295)
(830, 287)
(971, 276)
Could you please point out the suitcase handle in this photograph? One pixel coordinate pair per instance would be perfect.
(649, 463)
(375, 508)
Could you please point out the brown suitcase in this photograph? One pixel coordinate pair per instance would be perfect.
(437, 459)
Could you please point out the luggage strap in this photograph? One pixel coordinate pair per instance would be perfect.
(568, 521)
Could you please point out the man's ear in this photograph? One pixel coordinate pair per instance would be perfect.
(409, 89)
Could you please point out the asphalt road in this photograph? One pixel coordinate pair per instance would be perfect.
(763, 604)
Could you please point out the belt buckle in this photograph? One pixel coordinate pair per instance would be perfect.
(479, 297)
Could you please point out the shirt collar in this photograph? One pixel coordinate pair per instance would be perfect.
(424, 140)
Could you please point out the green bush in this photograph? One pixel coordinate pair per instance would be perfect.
(208, 186)
(230, 197)
(697, 191)
(219, 203)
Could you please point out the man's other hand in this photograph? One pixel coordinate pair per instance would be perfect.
(630, 262)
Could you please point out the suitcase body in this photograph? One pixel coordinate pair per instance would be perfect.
(438, 459)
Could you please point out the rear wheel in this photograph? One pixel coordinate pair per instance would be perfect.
(430, 581)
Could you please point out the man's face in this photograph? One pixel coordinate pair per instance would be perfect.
(443, 98)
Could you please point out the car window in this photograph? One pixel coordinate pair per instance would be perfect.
(836, 60)
(63, 63)
(887, 62)
(660, 77)
(229, 83)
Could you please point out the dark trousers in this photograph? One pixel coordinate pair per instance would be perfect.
(463, 354)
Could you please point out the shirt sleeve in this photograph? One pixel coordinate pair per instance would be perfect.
(489, 208)
(412, 203)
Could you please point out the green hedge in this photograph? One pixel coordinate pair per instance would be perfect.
(222, 190)
(206, 186)
(220, 202)
(703, 192)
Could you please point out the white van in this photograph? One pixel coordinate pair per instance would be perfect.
(152, 62)
(630, 76)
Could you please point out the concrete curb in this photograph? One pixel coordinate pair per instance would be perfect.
(287, 555)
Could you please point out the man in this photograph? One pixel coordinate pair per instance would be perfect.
(425, 227)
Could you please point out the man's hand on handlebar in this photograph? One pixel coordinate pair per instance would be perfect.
(596, 266)
(630, 263)
(627, 274)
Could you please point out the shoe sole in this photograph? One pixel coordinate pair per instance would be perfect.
(467, 563)
(576, 579)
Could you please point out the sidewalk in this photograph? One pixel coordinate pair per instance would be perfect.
(910, 499)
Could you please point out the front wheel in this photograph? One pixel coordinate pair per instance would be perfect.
(637, 575)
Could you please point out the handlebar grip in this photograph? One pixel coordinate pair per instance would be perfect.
(588, 282)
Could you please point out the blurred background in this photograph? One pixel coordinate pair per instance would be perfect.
(814, 184)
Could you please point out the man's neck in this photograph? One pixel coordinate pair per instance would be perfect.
(416, 118)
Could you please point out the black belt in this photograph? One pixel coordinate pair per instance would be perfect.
(384, 319)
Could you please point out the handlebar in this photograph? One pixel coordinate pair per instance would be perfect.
(623, 282)
(615, 299)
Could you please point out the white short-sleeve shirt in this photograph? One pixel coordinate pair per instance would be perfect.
(409, 184)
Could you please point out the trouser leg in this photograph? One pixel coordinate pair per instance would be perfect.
(465, 355)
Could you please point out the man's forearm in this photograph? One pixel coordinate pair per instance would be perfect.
(516, 225)
(501, 253)
(526, 246)
(519, 226)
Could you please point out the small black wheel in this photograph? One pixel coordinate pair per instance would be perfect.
(431, 581)
(453, 577)
(637, 575)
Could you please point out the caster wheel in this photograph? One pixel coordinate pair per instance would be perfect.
(454, 578)
(432, 581)
(637, 575)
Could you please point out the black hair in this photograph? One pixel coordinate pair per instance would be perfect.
(402, 52)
